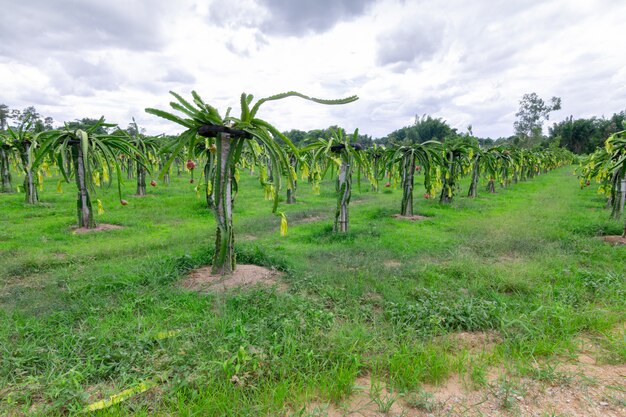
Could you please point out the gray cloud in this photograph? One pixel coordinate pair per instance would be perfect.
(409, 43)
(77, 76)
(178, 75)
(35, 29)
(309, 16)
(288, 17)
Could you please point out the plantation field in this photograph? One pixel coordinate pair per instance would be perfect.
(509, 295)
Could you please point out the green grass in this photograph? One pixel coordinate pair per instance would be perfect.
(80, 314)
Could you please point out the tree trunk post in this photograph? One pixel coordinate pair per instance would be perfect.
(224, 258)
(166, 175)
(376, 169)
(30, 178)
(447, 191)
(291, 192)
(270, 172)
(622, 199)
(343, 201)
(129, 167)
(6, 173)
(141, 179)
(208, 174)
(83, 206)
(408, 175)
(30, 187)
(473, 189)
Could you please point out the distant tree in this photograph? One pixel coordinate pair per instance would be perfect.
(4, 116)
(485, 142)
(583, 136)
(297, 137)
(15, 115)
(29, 116)
(86, 123)
(33, 117)
(300, 137)
(424, 128)
(576, 135)
(47, 122)
(531, 115)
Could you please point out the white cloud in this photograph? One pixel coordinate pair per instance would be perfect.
(466, 63)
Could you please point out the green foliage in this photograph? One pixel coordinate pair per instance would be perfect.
(435, 312)
(424, 129)
(532, 113)
(583, 136)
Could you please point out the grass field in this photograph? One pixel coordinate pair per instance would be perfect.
(83, 317)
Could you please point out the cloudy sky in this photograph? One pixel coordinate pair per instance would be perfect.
(466, 62)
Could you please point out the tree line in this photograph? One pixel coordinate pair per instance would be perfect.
(580, 136)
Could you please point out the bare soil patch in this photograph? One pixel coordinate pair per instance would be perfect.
(202, 280)
(248, 237)
(392, 263)
(99, 228)
(472, 341)
(586, 394)
(33, 281)
(414, 218)
(309, 219)
(579, 387)
(614, 240)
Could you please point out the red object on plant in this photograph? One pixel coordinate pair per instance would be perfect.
(190, 164)
(426, 196)
(388, 184)
(153, 183)
(588, 182)
(123, 202)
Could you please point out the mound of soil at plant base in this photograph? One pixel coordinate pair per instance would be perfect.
(202, 280)
(614, 240)
(414, 218)
(98, 228)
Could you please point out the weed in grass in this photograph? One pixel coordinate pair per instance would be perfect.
(422, 400)
(338, 384)
(410, 365)
(478, 374)
(614, 347)
(548, 373)
(384, 401)
(508, 393)
(434, 312)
